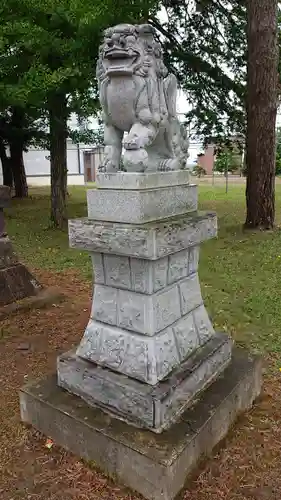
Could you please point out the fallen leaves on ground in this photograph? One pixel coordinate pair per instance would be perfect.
(247, 467)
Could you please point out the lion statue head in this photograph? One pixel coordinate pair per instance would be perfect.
(129, 49)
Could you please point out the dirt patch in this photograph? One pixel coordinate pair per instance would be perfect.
(247, 468)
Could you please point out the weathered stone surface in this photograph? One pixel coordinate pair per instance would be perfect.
(155, 465)
(166, 308)
(193, 259)
(178, 266)
(98, 268)
(16, 283)
(135, 312)
(8, 257)
(146, 314)
(160, 271)
(106, 388)
(132, 206)
(203, 369)
(141, 275)
(186, 336)
(145, 358)
(173, 237)
(203, 324)
(147, 241)
(190, 294)
(166, 399)
(105, 304)
(139, 98)
(117, 271)
(142, 180)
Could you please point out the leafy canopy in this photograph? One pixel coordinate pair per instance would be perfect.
(205, 42)
(52, 46)
(228, 160)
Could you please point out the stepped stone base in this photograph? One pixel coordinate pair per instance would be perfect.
(145, 358)
(140, 206)
(155, 407)
(16, 282)
(144, 241)
(155, 465)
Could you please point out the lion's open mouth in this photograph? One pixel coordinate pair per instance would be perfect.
(118, 61)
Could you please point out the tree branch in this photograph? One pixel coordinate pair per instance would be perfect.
(197, 63)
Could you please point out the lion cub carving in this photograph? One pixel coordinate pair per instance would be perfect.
(138, 96)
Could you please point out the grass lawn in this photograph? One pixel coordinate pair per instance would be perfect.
(240, 276)
(240, 272)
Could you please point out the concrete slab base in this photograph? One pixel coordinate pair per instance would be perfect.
(155, 465)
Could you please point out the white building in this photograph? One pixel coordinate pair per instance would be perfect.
(82, 161)
(37, 164)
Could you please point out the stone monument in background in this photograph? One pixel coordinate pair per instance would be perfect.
(152, 386)
(16, 281)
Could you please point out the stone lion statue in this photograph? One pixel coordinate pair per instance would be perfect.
(138, 96)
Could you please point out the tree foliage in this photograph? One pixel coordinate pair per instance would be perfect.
(48, 52)
(228, 160)
(199, 171)
(205, 43)
(88, 136)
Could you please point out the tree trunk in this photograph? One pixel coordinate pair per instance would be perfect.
(6, 166)
(58, 136)
(18, 170)
(262, 82)
(16, 152)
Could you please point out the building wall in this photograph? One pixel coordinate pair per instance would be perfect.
(207, 159)
(37, 161)
(92, 160)
(45, 180)
(37, 164)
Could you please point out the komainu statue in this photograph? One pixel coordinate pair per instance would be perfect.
(138, 96)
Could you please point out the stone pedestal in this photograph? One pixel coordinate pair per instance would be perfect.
(16, 282)
(151, 387)
(155, 465)
(149, 348)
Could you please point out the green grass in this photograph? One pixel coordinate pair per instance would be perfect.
(39, 245)
(240, 272)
